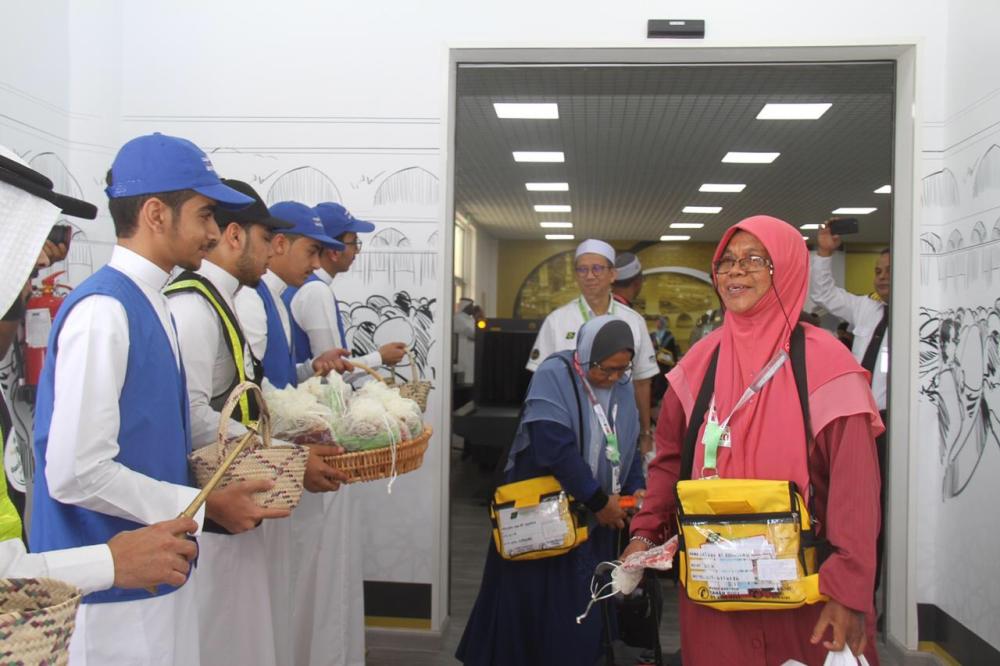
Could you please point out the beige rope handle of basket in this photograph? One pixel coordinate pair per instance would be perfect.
(226, 413)
(375, 375)
(414, 368)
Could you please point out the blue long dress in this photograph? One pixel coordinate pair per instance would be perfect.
(526, 611)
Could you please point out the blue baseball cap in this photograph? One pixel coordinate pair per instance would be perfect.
(338, 220)
(304, 222)
(157, 163)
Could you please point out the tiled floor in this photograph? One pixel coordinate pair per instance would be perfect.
(469, 541)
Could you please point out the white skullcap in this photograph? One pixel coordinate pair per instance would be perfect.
(628, 266)
(594, 246)
(25, 223)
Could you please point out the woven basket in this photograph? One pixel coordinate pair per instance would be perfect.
(285, 465)
(37, 616)
(378, 463)
(416, 389)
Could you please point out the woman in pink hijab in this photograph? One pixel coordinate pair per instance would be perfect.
(761, 270)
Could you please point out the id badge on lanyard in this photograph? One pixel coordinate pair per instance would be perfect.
(717, 434)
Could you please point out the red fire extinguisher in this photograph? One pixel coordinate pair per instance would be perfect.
(41, 310)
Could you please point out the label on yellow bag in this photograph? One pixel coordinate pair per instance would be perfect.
(535, 527)
(743, 547)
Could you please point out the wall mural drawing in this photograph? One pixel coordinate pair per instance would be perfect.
(305, 183)
(940, 189)
(389, 257)
(987, 171)
(400, 318)
(413, 185)
(960, 376)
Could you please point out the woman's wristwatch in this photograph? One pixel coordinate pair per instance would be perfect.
(648, 542)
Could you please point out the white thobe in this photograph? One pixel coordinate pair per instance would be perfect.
(862, 315)
(90, 568)
(80, 468)
(233, 588)
(329, 589)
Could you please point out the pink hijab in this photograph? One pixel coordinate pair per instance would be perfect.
(768, 433)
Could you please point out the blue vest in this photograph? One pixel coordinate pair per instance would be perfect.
(300, 341)
(279, 361)
(154, 433)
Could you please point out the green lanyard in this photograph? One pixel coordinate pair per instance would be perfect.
(585, 311)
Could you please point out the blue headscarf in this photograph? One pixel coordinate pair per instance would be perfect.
(552, 397)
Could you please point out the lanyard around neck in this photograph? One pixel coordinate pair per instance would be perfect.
(611, 450)
(714, 431)
(585, 309)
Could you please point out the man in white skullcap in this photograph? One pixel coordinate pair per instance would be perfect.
(147, 556)
(628, 283)
(594, 265)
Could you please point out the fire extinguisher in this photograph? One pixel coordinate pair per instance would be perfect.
(40, 312)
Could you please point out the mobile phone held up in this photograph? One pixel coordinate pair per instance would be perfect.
(843, 226)
(61, 234)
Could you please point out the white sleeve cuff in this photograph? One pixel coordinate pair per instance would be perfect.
(90, 568)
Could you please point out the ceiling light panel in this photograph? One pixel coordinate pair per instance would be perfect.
(706, 210)
(556, 225)
(529, 111)
(809, 227)
(749, 158)
(547, 187)
(670, 237)
(854, 211)
(885, 189)
(553, 208)
(722, 187)
(539, 156)
(686, 225)
(793, 111)
(559, 236)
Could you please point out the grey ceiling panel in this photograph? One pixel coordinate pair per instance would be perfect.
(639, 141)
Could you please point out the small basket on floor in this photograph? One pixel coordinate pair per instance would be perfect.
(385, 462)
(285, 465)
(37, 617)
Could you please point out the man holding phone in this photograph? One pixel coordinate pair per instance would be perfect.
(867, 319)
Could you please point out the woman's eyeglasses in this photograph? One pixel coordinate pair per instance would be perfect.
(615, 371)
(748, 264)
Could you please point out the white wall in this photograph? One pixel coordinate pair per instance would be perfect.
(359, 92)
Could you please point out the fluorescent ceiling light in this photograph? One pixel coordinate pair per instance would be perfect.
(722, 187)
(854, 211)
(539, 156)
(559, 236)
(529, 111)
(553, 208)
(809, 227)
(686, 225)
(792, 111)
(805, 238)
(885, 189)
(547, 187)
(708, 210)
(750, 158)
(556, 225)
(674, 238)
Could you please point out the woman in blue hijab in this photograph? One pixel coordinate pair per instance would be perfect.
(526, 610)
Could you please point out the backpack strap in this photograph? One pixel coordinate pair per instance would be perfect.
(798, 354)
(698, 417)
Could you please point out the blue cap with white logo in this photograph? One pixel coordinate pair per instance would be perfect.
(304, 222)
(338, 220)
(157, 163)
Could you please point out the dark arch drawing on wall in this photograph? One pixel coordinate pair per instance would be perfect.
(940, 189)
(412, 185)
(306, 184)
(987, 171)
(389, 253)
(930, 247)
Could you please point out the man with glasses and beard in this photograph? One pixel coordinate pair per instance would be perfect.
(594, 266)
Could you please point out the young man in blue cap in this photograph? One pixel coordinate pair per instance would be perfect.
(267, 324)
(233, 587)
(330, 616)
(112, 430)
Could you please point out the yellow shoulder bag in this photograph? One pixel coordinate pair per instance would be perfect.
(746, 544)
(535, 518)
